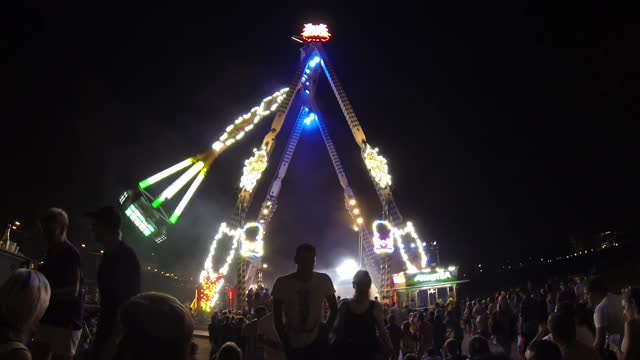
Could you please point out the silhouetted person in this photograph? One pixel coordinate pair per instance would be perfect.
(563, 330)
(478, 348)
(118, 275)
(629, 347)
(359, 322)
(607, 313)
(24, 297)
(229, 351)
(297, 298)
(155, 326)
(543, 350)
(59, 332)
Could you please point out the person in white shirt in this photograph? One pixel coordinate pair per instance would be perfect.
(297, 308)
(269, 340)
(607, 313)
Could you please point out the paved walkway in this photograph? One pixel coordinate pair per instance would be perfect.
(204, 348)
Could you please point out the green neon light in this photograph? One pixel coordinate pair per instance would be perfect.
(141, 223)
(185, 199)
(164, 173)
(178, 184)
(144, 184)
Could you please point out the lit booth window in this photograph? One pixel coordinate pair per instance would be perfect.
(424, 288)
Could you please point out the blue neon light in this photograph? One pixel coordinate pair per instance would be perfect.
(314, 61)
(310, 118)
(306, 91)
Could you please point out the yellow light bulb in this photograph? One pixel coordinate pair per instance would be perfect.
(356, 211)
(359, 220)
(352, 202)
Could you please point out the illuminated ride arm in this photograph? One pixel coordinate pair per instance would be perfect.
(307, 82)
(197, 168)
(372, 261)
(376, 165)
(210, 280)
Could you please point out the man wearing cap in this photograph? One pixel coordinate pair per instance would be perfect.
(118, 275)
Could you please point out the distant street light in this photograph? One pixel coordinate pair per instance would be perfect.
(264, 266)
(7, 234)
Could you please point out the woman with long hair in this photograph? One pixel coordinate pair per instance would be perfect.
(359, 326)
(24, 298)
(630, 347)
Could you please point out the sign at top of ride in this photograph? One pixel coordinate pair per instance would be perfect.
(315, 33)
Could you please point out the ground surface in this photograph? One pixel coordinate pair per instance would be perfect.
(203, 347)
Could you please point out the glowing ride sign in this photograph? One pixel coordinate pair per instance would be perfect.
(422, 277)
(426, 277)
(315, 33)
(382, 245)
(248, 247)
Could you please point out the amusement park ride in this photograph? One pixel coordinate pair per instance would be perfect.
(247, 237)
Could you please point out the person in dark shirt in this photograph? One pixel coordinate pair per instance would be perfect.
(118, 276)
(395, 334)
(60, 327)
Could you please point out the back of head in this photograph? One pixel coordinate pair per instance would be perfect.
(24, 297)
(54, 223)
(305, 257)
(478, 346)
(106, 225)
(155, 326)
(562, 327)
(259, 312)
(632, 298)
(452, 347)
(229, 351)
(566, 307)
(362, 283)
(543, 350)
(406, 326)
(392, 318)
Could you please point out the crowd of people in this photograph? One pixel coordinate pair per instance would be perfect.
(575, 319)
(45, 313)
(42, 315)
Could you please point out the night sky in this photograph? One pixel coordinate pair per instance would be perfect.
(508, 127)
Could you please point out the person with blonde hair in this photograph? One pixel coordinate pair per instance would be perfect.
(155, 326)
(24, 298)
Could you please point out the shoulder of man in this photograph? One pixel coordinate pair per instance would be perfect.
(127, 252)
(71, 253)
(323, 277)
